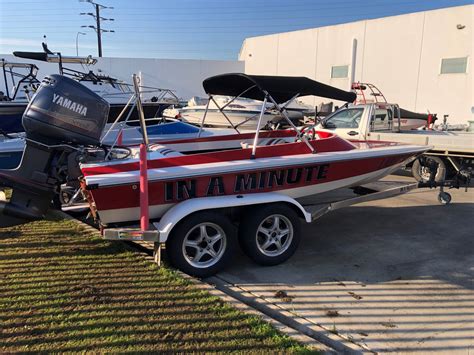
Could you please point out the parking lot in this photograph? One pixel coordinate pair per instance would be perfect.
(394, 275)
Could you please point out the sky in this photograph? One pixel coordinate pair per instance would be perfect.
(191, 29)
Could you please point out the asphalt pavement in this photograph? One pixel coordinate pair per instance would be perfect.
(394, 275)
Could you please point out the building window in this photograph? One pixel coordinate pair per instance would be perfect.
(339, 71)
(453, 65)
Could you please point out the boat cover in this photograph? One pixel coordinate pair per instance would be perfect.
(170, 128)
(32, 55)
(281, 88)
(54, 58)
(414, 115)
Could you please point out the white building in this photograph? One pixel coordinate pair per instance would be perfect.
(422, 61)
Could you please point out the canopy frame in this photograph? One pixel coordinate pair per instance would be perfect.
(278, 90)
(263, 110)
(11, 75)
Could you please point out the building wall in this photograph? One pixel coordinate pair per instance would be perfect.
(401, 55)
(183, 76)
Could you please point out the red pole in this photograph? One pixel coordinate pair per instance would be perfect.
(144, 216)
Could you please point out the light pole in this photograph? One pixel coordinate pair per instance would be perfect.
(77, 38)
(97, 18)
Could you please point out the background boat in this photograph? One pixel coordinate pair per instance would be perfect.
(241, 112)
(114, 91)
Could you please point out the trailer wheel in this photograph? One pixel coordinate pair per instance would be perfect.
(421, 172)
(269, 235)
(202, 244)
(444, 198)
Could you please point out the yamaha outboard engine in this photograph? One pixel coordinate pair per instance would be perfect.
(62, 117)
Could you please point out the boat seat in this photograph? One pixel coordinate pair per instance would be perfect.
(157, 151)
(163, 151)
(263, 142)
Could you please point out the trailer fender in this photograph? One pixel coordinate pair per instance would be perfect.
(172, 217)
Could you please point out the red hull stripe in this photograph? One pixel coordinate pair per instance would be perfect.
(331, 144)
(165, 192)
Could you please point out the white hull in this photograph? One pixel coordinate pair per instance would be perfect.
(156, 211)
(409, 123)
(214, 118)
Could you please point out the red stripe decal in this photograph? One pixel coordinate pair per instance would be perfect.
(254, 181)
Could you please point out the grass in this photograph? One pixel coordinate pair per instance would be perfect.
(62, 289)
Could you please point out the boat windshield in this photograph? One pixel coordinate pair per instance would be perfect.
(345, 118)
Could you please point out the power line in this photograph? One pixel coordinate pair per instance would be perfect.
(252, 7)
(201, 19)
(253, 3)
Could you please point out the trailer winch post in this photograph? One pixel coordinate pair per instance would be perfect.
(144, 213)
(144, 206)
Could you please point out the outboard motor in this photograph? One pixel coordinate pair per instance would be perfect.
(63, 117)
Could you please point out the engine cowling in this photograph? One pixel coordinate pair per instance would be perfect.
(65, 111)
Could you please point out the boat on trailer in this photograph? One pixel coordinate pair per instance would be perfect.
(195, 198)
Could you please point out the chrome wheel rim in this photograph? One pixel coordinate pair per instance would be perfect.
(274, 235)
(204, 245)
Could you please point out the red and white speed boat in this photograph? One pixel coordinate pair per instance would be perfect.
(270, 161)
(289, 168)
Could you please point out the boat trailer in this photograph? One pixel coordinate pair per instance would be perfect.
(310, 212)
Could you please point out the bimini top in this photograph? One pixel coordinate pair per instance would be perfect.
(281, 88)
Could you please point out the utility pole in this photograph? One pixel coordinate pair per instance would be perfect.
(97, 18)
(99, 36)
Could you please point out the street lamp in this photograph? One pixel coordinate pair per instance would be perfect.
(77, 38)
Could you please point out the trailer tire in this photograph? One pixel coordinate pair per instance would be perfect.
(421, 173)
(262, 234)
(210, 236)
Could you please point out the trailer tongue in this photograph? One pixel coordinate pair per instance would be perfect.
(61, 119)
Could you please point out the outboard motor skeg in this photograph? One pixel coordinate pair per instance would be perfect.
(63, 116)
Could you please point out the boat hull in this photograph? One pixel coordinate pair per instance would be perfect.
(411, 123)
(115, 188)
(157, 210)
(10, 117)
(214, 118)
(10, 160)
